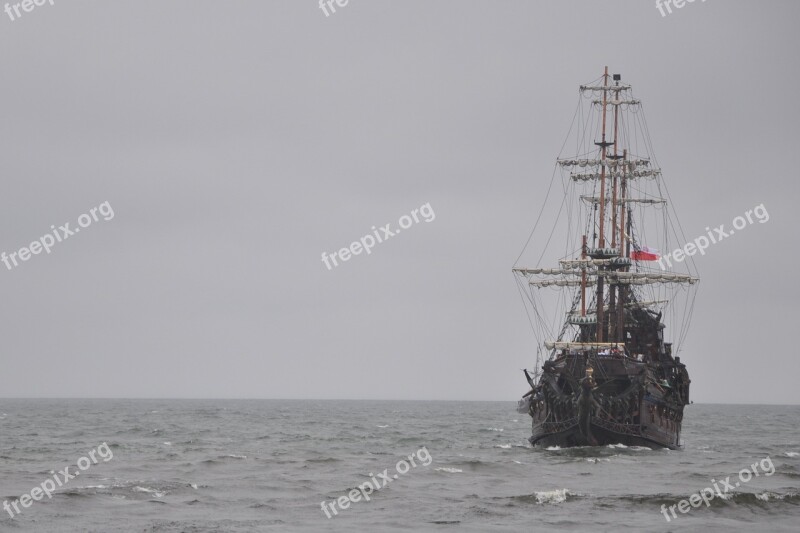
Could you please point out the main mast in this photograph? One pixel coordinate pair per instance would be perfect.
(601, 241)
(612, 297)
(622, 253)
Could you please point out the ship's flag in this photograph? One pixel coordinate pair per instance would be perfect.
(645, 254)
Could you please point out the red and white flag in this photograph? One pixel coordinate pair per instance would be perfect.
(645, 254)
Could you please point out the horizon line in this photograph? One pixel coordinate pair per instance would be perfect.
(323, 400)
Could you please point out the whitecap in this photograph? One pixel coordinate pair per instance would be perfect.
(552, 496)
(194, 486)
(553, 448)
(792, 454)
(504, 446)
(767, 496)
(154, 492)
(620, 445)
(449, 470)
(168, 443)
(386, 426)
(494, 429)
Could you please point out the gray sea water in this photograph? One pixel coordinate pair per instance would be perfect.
(202, 465)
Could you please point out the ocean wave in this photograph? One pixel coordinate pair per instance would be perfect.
(621, 446)
(792, 454)
(760, 499)
(147, 490)
(323, 460)
(774, 496)
(546, 497)
(553, 496)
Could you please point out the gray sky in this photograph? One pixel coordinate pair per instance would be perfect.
(237, 141)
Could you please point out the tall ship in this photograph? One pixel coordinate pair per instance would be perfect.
(609, 311)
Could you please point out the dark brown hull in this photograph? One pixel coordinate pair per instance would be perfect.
(635, 403)
(603, 433)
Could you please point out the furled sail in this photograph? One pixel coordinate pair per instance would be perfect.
(618, 102)
(550, 271)
(587, 176)
(609, 163)
(618, 278)
(594, 263)
(558, 345)
(620, 87)
(596, 200)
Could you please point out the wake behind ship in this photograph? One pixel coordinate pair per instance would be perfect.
(605, 372)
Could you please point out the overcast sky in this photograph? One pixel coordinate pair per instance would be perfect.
(237, 141)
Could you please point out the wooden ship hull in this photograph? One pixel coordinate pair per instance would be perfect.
(630, 404)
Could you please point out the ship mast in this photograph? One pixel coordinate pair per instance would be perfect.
(620, 288)
(601, 242)
(583, 278)
(612, 297)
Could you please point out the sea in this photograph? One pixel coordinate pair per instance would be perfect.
(286, 465)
